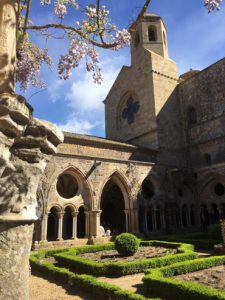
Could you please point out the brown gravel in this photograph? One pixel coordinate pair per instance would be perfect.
(42, 289)
(212, 277)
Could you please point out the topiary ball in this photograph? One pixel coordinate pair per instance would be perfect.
(126, 244)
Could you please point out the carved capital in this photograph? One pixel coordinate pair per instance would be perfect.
(26, 148)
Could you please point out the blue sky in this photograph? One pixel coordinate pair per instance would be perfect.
(196, 39)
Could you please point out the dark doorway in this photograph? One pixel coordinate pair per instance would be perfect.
(81, 223)
(112, 206)
(192, 215)
(52, 230)
(67, 224)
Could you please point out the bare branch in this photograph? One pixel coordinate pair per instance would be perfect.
(140, 15)
(72, 29)
(26, 16)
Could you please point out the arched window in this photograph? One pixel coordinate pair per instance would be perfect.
(164, 38)
(148, 189)
(191, 116)
(152, 34)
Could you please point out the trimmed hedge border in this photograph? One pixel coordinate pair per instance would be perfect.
(82, 265)
(158, 280)
(84, 282)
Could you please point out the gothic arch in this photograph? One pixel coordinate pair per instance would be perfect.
(84, 187)
(121, 181)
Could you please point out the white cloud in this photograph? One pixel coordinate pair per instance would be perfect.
(73, 124)
(85, 95)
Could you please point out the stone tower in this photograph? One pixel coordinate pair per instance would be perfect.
(136, 99)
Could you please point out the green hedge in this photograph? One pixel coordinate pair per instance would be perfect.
(86, 283)
(81, 265)
(158, 281)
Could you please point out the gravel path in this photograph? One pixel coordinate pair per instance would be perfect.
(42, 289)
(130, 282)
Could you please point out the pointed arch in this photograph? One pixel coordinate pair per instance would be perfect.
(121, 181)
(84, 187)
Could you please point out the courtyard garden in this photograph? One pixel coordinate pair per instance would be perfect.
(133, 270)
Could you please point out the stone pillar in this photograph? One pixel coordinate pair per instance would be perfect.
(60, 225)
(8, 25)
(95, 223)
(44, 228)
(134, 221)
(25, 148)
(87, 223)
(126, 211)
(74, 231)
(163, 221)
(154, 225)
(188, 216)
(15, 244)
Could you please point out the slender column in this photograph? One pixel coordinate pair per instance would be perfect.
(60, 224)
(163, 221)
(154, 226)
(74, 231)
(87, 223)
(95, 223)
(134, 221)
(127, 219)
(44, 228)
(188, 211)
(145, 222)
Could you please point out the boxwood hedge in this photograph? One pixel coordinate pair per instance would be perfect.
(159, 281)
(77, 264)
(86, 283)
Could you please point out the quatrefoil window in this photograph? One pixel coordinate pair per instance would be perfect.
(130, 110)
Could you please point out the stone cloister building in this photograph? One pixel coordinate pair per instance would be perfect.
(160, 168)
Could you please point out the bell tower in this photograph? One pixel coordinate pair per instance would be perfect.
(138, 98)
(149, 34)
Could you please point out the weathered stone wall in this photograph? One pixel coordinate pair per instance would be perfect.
(205, 93)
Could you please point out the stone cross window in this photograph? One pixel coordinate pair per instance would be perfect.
(130, 110)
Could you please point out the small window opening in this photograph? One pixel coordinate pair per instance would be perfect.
(152, 34)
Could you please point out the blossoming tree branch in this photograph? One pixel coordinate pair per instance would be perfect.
(84, 37)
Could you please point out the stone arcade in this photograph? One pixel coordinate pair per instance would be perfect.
(161, 167)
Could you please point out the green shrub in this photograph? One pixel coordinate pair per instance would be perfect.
(86, 283)
(215, 232)
(161, 282)
(126, 244)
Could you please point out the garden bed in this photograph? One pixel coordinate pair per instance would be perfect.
(213, 277)
(73, 261)
(142, 253)
(167, 281)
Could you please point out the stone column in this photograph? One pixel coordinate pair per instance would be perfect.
(163, 221)
(25, 148)
(126, 211)
(74, 232)
(154, 225)
(60, 225)
(95, 223)
(44, 228)
(87, 223)
(188, 216)
(134, 221)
